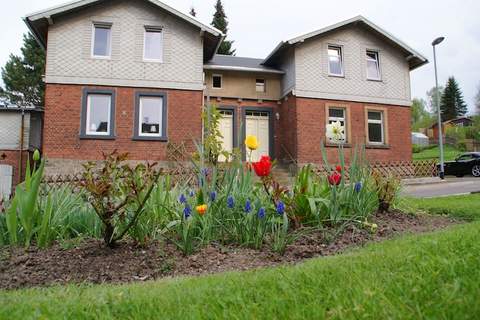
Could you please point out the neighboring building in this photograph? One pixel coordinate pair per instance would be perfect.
(13, 156)
(420, 139)
(134, 75)
(432, 132)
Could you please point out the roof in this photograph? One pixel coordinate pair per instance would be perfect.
(14, 108)
(234, 63)
(452, 121)
(38, 22)
(415, 59)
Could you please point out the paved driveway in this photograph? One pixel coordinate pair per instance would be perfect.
(450, 186)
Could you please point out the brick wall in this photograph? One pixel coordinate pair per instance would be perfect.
(311, 122)
(63, 147)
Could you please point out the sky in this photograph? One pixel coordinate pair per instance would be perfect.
(258, 26)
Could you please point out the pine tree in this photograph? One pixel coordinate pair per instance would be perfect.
(220, 22)
(452, 104)
(22, 76)
(193, 12)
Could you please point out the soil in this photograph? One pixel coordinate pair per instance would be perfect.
(91, 262)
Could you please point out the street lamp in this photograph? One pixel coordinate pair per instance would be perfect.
(437, 102)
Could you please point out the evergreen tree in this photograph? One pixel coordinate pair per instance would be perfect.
(452, 104)
(220, 22)
(22, 76)
(193, 12)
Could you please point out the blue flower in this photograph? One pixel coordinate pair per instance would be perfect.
(182, 199)
(205, 172)
(187, 212)
(261, 213)
(358, 187)
(192, 193)
(248, 206)
(230, 202)
(280, 208)
(213, 196)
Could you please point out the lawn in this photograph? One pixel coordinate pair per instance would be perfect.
(465, 207)
(434, 154)
(425, 276)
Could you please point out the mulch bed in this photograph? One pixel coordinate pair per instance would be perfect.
(92, 262)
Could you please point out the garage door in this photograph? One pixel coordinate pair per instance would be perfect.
(6, 173)
(257, 124)
(226, 129)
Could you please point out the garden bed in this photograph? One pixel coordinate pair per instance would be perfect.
(92, 262)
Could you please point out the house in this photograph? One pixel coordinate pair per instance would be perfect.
(432, 132)
(134, 76)
(20, 135)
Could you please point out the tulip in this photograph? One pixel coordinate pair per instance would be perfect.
(263, 167)
(338, 169)
(36, 155)
(335, 178)
(251, 142)
(202, 209)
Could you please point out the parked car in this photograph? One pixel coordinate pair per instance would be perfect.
(465, 164)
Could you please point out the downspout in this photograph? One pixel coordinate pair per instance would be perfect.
(22, 139)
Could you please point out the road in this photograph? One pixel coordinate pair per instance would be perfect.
(450, 186)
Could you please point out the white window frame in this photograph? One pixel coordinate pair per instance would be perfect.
(382, 126)
(335, 119)
(342, 66)
(156, 30)
(221, 81)
(160, 125)
(377, 61)
(264, 85)
(87, 124)
(100, 25)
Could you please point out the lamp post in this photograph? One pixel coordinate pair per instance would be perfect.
(437, 103)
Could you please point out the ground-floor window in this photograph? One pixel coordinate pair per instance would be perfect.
(98, 110)
(150, 116)
(376, 133)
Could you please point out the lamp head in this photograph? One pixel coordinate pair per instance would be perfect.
(438, 41)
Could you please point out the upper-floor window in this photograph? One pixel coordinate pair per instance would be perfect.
(217, 81)
(102, 40)
(373, 65)
(153, 44)
(150, 116)
(98, 114)
(338, 115)
(335, 61)
(260, 85)
(376, 133)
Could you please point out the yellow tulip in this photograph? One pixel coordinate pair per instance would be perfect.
(202, 209)
(251, 142)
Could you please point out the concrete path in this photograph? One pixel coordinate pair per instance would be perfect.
(438, 188)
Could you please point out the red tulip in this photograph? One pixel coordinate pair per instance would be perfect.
(263, 167)
(335, 178)
(338, 169)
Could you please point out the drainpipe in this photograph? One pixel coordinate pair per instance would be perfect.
(22, 129)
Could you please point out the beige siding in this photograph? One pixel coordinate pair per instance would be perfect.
(70, 39)
(10, 125)
(311, 66)
(242, 85)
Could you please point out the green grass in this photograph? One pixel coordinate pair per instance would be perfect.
(434, 154)
(465, 207)
(433, 276)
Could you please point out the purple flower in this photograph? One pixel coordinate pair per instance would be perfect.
(192, 193)
(213, 196)
(261, 213)
(182, 199)
(230, 202)
(280, 208)
(248, 206)
(187, 212)
(358, 187)
(205, 172)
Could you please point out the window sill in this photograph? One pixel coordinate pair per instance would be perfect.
(377, 146)
(153, 61)
(336, 145)
(375, 80)
(101, 57)
(336, 75)
(94, 137)
(140, 138)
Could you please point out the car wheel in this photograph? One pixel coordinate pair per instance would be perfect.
(476, 170)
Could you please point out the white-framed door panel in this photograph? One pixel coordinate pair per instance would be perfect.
(226, 127)
(257, 123)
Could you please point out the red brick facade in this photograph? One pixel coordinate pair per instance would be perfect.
(63, 103)
(12, 158)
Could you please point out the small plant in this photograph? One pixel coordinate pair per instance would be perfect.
(118, 193)
(387, 188)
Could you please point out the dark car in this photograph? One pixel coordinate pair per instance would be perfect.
(466, 164)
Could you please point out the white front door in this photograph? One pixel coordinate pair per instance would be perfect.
(257, 124)
(226, 129)
(6, 174)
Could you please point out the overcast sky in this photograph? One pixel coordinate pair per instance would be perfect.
(258, 25)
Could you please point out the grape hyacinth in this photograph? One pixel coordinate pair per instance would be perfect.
(230, 202)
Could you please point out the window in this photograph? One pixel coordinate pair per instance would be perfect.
(153, 44)
(217, 81)
(338, 114)
(98, 114)
(150, 116)
(101, 40)
(373, 65)
(260, 85)
(335, 61)
(375, 127)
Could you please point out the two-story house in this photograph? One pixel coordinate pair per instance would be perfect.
(134, 76)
